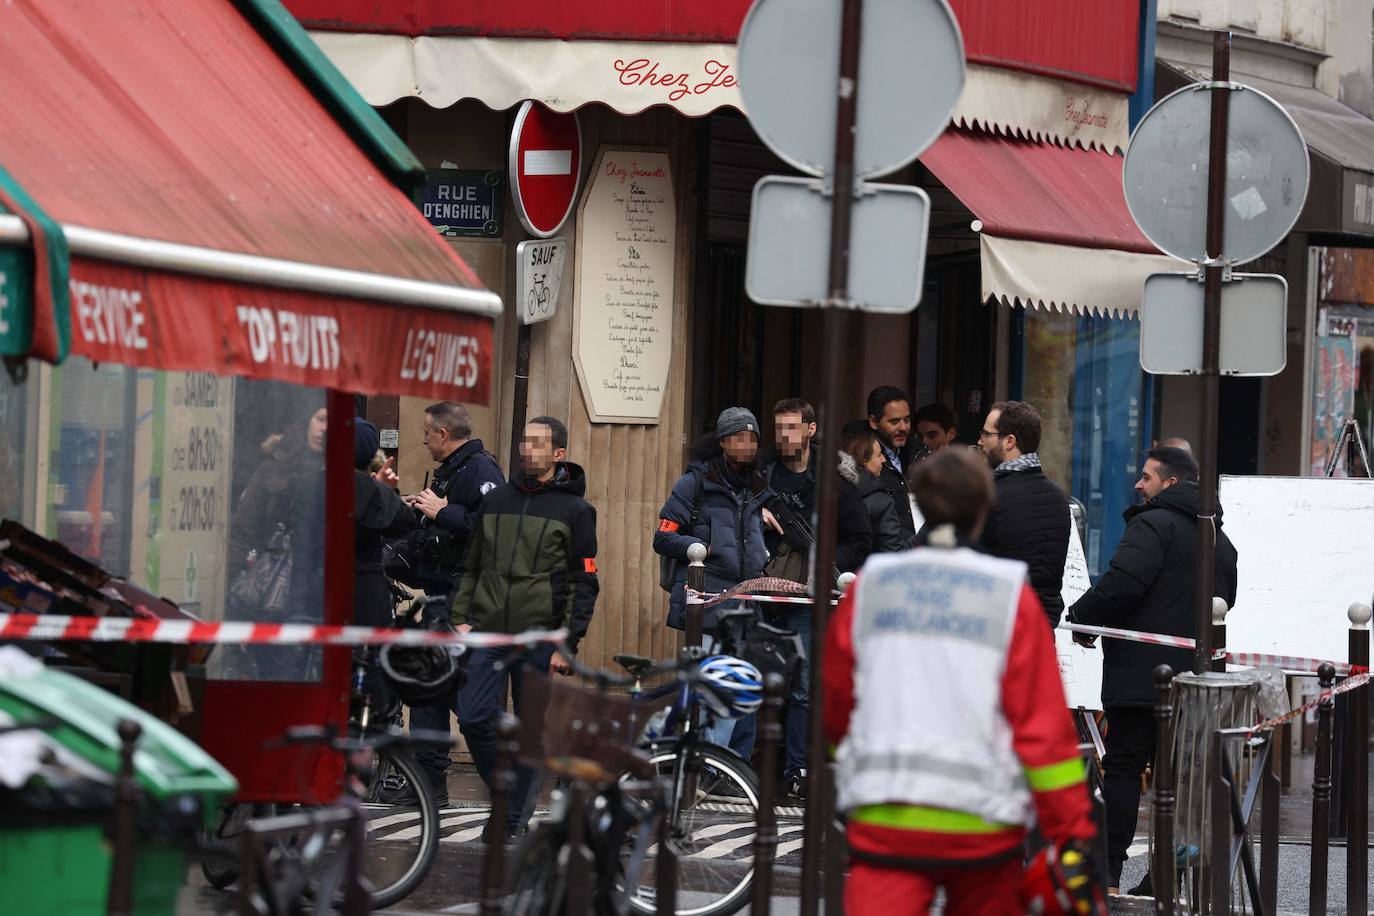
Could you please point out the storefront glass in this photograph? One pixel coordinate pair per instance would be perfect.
(187, 484)
(1083, 374)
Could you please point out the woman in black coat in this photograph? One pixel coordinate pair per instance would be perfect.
(379, 516)
(859, 462)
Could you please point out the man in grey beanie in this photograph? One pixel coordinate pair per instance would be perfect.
(718, 502)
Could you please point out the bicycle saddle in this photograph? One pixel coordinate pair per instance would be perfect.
(636, 665)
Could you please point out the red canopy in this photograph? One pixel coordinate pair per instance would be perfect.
(1038, 191)
(218, 215)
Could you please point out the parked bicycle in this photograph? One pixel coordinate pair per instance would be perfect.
(607, 817)
(382, 777)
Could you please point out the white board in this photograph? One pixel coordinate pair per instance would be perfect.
(1306, 547)
(1079, 668)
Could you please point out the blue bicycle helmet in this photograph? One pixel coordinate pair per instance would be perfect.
(733, 688)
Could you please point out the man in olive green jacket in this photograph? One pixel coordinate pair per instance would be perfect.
(531, 564)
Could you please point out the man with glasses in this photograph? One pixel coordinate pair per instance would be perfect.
(1029, 521)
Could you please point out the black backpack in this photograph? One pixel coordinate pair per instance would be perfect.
(668, 567)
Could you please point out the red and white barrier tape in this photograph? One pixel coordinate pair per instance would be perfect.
(1243, 659)
(54, 628)
(790, 592)
(1344, 686)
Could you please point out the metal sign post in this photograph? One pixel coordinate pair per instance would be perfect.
(1204, 579)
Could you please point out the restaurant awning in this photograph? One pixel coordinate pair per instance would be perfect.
(1055, 232)
(1056, 70)
(221, 215)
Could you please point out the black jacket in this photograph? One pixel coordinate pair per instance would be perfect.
(853, 540)
(1149, 587)
(877, 503)
(437, 549)
(531, 561)
(1030, 522)
(378, 513)
(728, 522)
(897, 484)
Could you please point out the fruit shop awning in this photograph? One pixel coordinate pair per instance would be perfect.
(1055, 230)
(202, 190)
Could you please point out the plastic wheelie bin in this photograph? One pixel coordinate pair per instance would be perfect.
(57, 792)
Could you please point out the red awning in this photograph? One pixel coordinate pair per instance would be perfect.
(219, 217)
(1055, 227)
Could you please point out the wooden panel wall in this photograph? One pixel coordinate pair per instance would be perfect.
(630, 468)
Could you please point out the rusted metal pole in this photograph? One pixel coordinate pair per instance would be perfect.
(1205, 576)
(1269, 826)
(503, 783)
(120, 900)
(1321, 795)
(836, 322)
(1357, 773)
(1162, 869)
(766, 821)
(1219, 797)
(520, 402)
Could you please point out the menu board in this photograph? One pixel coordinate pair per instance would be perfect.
(626, 247)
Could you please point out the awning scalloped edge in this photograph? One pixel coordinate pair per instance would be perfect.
(1013, 132)
(1049, 305)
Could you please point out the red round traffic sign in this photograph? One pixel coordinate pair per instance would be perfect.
(546, 164)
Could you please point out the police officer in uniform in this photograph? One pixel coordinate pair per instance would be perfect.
(432, 557)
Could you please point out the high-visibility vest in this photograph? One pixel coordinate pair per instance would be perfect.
(932, 628)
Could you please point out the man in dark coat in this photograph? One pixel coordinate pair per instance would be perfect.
(447, 509)
(1148, 586)
(531, 565)
(889, 415)
(792, 478)
(1030, 518)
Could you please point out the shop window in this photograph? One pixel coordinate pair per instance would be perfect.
(182, 483)
(1083, 375)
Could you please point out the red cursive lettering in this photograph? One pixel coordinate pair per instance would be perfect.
(643, 72)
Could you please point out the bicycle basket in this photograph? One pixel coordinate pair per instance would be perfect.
(573, 731)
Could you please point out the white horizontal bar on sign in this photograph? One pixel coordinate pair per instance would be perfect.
(248, 268)
(548, 162)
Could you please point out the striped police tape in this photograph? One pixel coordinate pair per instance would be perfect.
(57, 628)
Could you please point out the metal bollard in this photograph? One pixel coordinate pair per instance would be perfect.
(1357, 771)
(696, 582)
(844, 581)
(766, 824)
(836, 852)
(1321, 794)
(1219, 612)
(665, 875)
(503, 781)
(1162, 869)
(1269, 826)
(1219, 861)
(120, 900)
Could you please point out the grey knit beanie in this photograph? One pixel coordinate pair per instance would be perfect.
(735, 419)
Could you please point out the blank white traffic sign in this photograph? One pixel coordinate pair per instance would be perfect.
(1254, 313)
(789, 245)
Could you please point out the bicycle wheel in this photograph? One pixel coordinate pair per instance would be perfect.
(535, 887)
(402, 832)
(712, 831)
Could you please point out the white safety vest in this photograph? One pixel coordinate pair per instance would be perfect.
(931, 633)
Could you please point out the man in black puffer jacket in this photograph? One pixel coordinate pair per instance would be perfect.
(1149, 586)
(1030, 519)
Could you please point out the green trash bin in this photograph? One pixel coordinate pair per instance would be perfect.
(55, 844)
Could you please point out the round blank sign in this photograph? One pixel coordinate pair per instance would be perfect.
(1165, 174)
(911, 72)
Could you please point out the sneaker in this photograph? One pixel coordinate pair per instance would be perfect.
(795, 785)
(1145, 888)
(512, 834)
(395, 789)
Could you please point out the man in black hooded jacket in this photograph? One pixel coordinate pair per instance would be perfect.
(1148, 586)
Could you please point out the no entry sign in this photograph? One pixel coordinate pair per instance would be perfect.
(545, 162)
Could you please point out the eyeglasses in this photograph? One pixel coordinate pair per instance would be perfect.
(988, 434)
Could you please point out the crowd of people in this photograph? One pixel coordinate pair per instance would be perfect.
(521, 554)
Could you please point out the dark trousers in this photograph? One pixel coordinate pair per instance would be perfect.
(434, 718)
(480, 704)
(1130, 745)
(798, 620)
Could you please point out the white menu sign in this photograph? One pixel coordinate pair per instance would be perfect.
(626, 249)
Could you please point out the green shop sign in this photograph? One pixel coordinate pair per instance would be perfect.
(16, 301)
